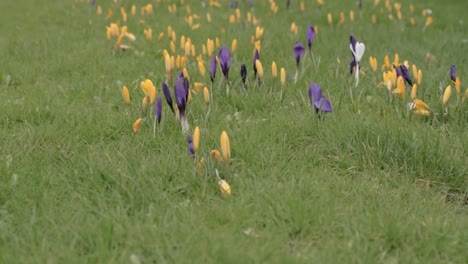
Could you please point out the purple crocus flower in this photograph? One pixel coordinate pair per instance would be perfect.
(406, 75)
(298, 51)
(319, 102)
(179, 91)
(243, 73)
(181, 99)
(453, 74)
(167, 95)
(352, 64)
(213, 68)
(158, 109)
(398, 72)
(352, 41)
(225, 61)
(255, 58)
(310, 36)
(191, 151)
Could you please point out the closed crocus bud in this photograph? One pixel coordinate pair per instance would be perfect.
(234, 45)
(196, 139)
(259, 66)
(283, 76)
(126, 95)
(201, 68)
(224, 187)
(198, 87)
(206, 95)
(225, 147)
(447, 94)
(274, 70)
(414, 90)
(136, 125)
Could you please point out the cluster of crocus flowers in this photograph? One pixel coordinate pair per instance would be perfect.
(298, 50)
(318, 101)
(357, 49)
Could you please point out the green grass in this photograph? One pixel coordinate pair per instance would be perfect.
(369, 183)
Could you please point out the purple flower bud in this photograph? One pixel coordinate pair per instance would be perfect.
(167, 95)
(255, 58)
(310, 36)
(406, 75)
(243, 73)
(225, 61)
(316, 98)
(180, 94)
(398, 73)
(191, 151)
(213, 68)
(352, 41)
(158, 109)
(453, 74)
(298, 51)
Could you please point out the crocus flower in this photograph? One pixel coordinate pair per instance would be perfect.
(255, 58)
(158, 109)
(215, 154)
(225, 147)
(181, 100)
(418, 107)
(316, 98)
(196, 139)
(282, 77)
(453, 75)
(213, 68)
(167, 95)
(225, 63)
(259, 66)
(224, 186)
(400, 87)
(298, 52)
(406, 75)
(136, 125)
(126, 95)
(243, 73)
(191, 150)
(357, 48)
(310, 37)
(446, 97)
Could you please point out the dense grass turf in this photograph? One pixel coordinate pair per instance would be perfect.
(368, 183)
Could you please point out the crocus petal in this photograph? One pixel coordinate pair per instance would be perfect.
(453, 74)
(359, 51)
(225, 147)
(352, 65)
(310, 36)
(180, 94)
(191, 150)
(213, 67)
(352, 44)
(224, 61)
(167, 95)
(158, 109)
(406, 75)
(255, 58)
(298, 51)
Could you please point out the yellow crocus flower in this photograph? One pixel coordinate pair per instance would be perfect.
(259, 66)
(196, 139)
(126, 95)
(206, 95)
(447, 94)
(233, 45)
(283, 77)
(274, 71)
(414, 90)
(215, 154)
(136, 125)
(400, 87)
(225, 147)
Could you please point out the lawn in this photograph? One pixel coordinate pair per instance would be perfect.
(376, 180)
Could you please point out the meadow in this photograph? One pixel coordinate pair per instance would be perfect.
(382, 178)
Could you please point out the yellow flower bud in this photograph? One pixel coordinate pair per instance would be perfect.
(215, 154)
(126, 95)
(446, 97)
(196, 139)
(234, 45)
(224, 187)
(259, 66)
(225, 147)
(413, 91)
(283, 76)
(136, 125)
(206, 95)
(274, 70)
